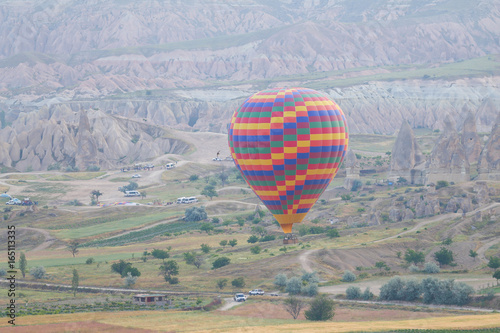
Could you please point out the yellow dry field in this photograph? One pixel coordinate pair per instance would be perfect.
(211, 322)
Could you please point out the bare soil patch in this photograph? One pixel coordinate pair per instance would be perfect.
(270, 310)
(81, 327)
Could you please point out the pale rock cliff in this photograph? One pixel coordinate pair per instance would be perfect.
(448, 159)
(407, 160)
(489, 160)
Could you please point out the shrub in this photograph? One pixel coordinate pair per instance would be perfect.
(238, 282)
(194, 214)
(441, 183)
(444, 256)
(399, 289)
(445, 291)
(322, 308)
(310, 289)
(414, 269)
(310, 277)
(90, 261)
(193, 178)
(267, 238)
(38, 272)
(3, 272)
(221, 262)
(255, 249)
(280, 280)
(348, 276)
(294, 286)
(431, 268)
(130, 280)
(333, 233)
(353, 292)
(367, 294)
(252, 239)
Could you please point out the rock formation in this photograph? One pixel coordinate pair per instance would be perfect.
(40, 142)
(489, 160)
(470, 139)
(448, 158)
(351, 169)
(407, 161)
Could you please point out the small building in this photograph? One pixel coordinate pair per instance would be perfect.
(151, 299)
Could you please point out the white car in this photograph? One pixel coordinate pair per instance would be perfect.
(14, 201)
(136, 176)
(256, 292)
(239, 297)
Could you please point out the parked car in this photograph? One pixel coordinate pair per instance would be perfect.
(256, 292)
(239, 297)
(14, 201)
(136, 176)
(132, 193)
(216, 159)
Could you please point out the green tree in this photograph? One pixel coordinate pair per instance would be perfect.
(73, 247)
(356, 185)
(189, 257)
(259, 230)
(238, 282)
(122, 267)
(160, 254)
(444, 256)
(205, 248)
(255, 249)
(209, 191)
(294, 305)
(207, 227)
(280, 280)
(252, 239)
(348, 276)
(494, 262)
(193, 178)
(94, 196)
(194, 214)
(221, 262)
(380, 265)
(233, 242)
(23, 264)
(170, 269)
(221, 283)
(353, 292)
(441, 184)
(496, 275)
(473, 254)
(223, 243)
(143, 194)
(321, 309)
(333, 233)
(38, 272)
(74, 282)
(294, 285)
(415, 257)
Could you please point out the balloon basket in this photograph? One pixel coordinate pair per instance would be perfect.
(290, 239)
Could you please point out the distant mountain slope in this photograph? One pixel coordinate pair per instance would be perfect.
(188, 64)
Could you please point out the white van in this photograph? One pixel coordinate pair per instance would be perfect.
(191, 200)
(169, 166)
(132, 193)
(180, 200)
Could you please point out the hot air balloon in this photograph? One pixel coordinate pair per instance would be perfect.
(288, 144)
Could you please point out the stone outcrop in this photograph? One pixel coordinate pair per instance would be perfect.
(448, 159)
(407, 160)
(351, 169)
(87, 138)
(470, 139)
(489, 160)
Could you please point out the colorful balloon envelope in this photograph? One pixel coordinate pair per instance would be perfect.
(288, 145)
